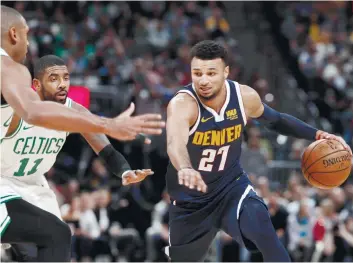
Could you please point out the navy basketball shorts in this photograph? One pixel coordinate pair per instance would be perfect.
(193, 226)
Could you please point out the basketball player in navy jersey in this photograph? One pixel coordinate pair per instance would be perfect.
(208, 188)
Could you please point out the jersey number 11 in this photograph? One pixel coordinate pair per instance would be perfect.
(23, 166)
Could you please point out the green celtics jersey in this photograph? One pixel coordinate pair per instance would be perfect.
(6, 117)
(31, 151)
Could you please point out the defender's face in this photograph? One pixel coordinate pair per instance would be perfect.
(55, 83)
(208, 76)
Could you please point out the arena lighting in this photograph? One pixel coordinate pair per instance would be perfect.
(281, 139)
(269, 97)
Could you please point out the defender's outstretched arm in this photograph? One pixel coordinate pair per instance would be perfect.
(15, 87)
(114, 160)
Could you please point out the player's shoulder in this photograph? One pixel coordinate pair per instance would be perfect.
(6, 60)
(247, 92)
(184, 101)
(251, 99)
(8, 65)
(185, 94)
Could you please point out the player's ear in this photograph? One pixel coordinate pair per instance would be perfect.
(226, 72)
(36, 84)
(13, 35)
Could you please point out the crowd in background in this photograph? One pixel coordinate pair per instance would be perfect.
(146, 45)
(321, 36)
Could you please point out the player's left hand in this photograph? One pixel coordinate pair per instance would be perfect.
(136, 176)
(325, 135)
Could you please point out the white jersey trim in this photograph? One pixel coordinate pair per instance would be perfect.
(19, 127)
(218, 117)
(9, 197)
(4, 225)
(199, 114)
(68, 103)
(246, 192)
(240, 100)
(3, 52)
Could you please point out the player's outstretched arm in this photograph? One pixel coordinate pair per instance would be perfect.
(15, 87)
(182, 113)
(114, 160)
(281, 122)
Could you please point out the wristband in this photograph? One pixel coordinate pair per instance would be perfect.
(114, 160)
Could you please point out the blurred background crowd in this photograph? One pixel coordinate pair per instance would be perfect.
(297, 55)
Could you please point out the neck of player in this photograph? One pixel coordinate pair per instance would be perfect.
(8, 50)
(40, 95)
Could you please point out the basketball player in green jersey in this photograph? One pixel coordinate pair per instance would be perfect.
(17, 96)
(45, 230)
(30, 151)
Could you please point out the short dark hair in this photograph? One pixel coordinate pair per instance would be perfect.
(45, 62)
(209, 49)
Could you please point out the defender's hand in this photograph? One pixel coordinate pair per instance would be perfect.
(136, 176)
(325, 135)
(191, 178)
(126, 128)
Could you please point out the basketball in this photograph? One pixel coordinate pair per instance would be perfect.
(326, 164)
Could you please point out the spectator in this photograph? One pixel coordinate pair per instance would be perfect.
(216, 24)
(254, 156)
(71, 215)
(278, 216)
(99, 175)
(89, 226)
(155, 234)
(300, 230)
(324, 248)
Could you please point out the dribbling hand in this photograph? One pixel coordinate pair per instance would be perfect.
(125, 127)
(325, 135)
(136, 176)
(191, 179)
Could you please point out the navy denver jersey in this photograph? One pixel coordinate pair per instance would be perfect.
(214, 147)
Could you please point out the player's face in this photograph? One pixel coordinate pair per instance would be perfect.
(19, 37)
(54, 85)
(208, 76)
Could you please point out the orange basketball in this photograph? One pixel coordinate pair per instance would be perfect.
(326, 164)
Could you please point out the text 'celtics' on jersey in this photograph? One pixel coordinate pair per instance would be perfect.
(214, 146)
(30, 151)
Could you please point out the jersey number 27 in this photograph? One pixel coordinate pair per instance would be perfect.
(209, 156)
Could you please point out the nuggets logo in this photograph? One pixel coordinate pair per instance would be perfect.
(232, 114)
(217, 138)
